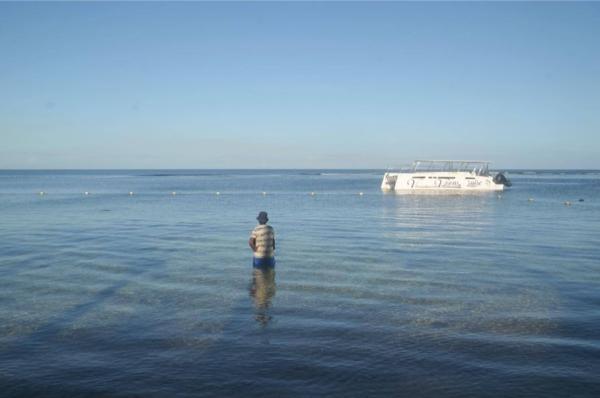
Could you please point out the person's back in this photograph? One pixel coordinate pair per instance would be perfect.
(264, 236)
(262, 242)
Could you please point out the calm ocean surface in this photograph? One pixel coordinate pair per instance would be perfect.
(153, 294)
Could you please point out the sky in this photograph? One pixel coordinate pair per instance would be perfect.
(298, 85)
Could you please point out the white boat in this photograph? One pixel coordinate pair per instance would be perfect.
(445, 175)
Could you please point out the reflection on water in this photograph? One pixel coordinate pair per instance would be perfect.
(262, 290)
(458, 221)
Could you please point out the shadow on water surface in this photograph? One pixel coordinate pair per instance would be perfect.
(47, 343)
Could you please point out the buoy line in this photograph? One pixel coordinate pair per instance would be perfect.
(311, 193)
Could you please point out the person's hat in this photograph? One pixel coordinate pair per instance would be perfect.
(262, 216)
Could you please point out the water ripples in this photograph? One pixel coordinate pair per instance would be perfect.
(374, 295)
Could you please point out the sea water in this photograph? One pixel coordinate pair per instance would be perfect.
(139, 283)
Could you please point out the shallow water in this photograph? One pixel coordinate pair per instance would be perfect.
(153, 294)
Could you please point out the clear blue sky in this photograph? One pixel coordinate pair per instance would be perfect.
(287, 85)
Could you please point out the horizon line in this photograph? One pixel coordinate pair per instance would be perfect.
(272, 168)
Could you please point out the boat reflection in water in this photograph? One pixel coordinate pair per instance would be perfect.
(262, 290)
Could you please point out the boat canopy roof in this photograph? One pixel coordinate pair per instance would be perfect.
(478, 167)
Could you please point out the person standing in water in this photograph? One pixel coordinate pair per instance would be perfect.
(262, 242)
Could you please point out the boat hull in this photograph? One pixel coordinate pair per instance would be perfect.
(438, 181)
